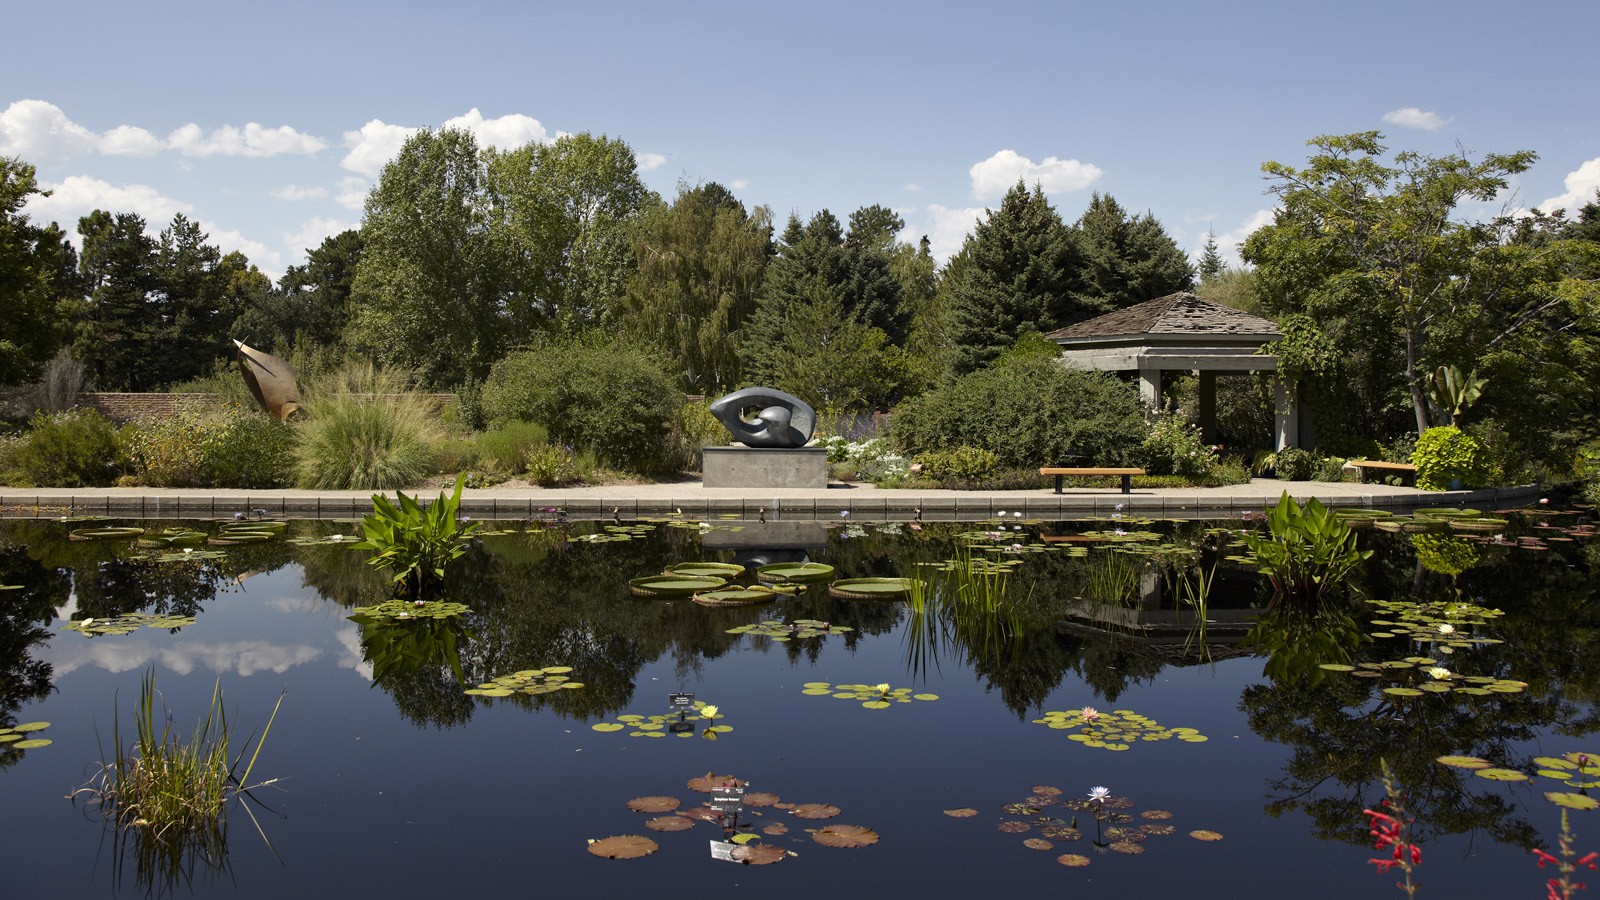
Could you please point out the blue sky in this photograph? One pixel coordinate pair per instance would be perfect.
(268, 122)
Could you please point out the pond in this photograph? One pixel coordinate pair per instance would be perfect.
(952, 743)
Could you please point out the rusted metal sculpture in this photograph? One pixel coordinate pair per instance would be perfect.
(783, 420)
(271, 381)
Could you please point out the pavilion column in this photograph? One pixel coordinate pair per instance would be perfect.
(1150, 387)
(1287, 415)
(1208, 406)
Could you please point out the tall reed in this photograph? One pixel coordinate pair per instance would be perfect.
(363, 429)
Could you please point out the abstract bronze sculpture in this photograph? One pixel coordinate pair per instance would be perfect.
(783, 420)
(271, 381)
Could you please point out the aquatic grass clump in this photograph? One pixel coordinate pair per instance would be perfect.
(169, 795)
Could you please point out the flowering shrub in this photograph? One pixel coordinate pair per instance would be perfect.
(1174, 448)
(871, 460)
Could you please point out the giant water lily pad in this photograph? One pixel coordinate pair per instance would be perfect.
(872, 588)
(109, 533)
(127, 623)
(805, 573)
(172, 537)
(623, 846)
(726, 571)
(847, 836)
(674, 585)
(736, 596)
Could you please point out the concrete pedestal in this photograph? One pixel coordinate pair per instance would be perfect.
(739, 466)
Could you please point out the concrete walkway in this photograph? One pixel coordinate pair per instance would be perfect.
(629, 501)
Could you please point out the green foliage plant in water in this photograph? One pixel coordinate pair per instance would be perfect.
(416, 543)
(679, 724)
(872, 696)
(127, 623)
(1307, 552)
(167, 796)
(799, 629)
(547, 680)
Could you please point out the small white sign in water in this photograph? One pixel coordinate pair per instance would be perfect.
(722, 850)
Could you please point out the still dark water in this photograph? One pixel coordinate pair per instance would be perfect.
(409, 788)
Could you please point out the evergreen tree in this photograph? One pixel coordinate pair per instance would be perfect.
(121, 337)
(1018, 274)
(1125, 259)
(1210, 260)
(312, 302)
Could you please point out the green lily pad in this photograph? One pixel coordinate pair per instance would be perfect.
(713, 569)
(1501, 774)
(804, 573)
(674, 585)
(871, 588)
(30, 726)
(1572, 801)
(1464, 762)
(32, 744)
(1402, 692)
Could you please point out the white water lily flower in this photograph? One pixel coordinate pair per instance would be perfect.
(1447, 628)
(1439, 672)
(708, 711)
(882, 688)
(1099, 793)
(1001, 513)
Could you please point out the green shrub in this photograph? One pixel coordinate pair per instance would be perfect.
(1174, 447)
(961, 464)
(1328, 468)
(76, 448)
(455, 453)
(615, 401)
(551, 466)
(695, 429)
(504, 449)
(1295, 464)
(229, 447)
(362, 431)
(1029, 412)
(1445, 455)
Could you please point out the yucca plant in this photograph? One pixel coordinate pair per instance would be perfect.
(413, 541)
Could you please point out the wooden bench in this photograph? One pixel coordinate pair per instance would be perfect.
(1406, 471)
(1060, 473)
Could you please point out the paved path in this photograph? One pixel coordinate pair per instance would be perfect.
(864, 502)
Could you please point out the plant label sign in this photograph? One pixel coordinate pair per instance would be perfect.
(727, 799)
(723, 850)
(680, 701)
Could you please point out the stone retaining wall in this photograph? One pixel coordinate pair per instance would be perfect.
(122, 407)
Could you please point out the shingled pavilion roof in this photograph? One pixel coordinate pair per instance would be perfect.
(1180, 313)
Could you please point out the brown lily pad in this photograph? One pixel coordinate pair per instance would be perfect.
(1155, 814)
(815, 811)
(1045, 790)
(1061, 833)
(708, 782)
(848, 836)
(1013, 827)
(1152, 828)
(965, 812)
(699, 814)
(775, 829)
(1128, 847)
(758, 854)
(1022, 809)
(1205, 835)
(670, 823)
(654, 804)
(623, 846)
(760, 798)
(1073, 860)
(1131, 835)
(1038, 844)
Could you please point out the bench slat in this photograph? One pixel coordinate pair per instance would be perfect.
(1060, 472)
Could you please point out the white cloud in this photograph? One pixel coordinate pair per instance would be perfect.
(505, 133)
(739, 184)
(312, 232)
(296, 192)
(127, 140)
(352, 193)
(253, 140)
(243, 657)
(997, 174)
(1580, 184)
(911, 186)
(1412, 117)
(373, 146)
(947, 229)
(649, 161)
(269, 261)
(79, 195)
(41, 133)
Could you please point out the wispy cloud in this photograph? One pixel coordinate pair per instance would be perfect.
(1412, 117)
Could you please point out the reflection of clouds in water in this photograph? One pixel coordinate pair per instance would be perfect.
(293, 604)
(350, 639)
(243, 657)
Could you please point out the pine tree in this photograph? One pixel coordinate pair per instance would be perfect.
(1018, 275)
(1126, 259)
(1210, 260)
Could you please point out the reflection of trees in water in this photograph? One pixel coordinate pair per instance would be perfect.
(1339, 727)
(25, 617)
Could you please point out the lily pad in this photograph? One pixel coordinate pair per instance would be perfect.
(726, 571)
(1571, 800)
(1494, 774)
(1073, 860)
(815, 811)
(114, 533)
(32, 743)
(669, 823)
(871, 588)
(1038, 844)
(1464, 762)
(1203, 834)
(674, 585)
(654, 804)
(623, 846)
(964, 812)
(759, 854)
(847, 836)
(804, 573)
(735, 596)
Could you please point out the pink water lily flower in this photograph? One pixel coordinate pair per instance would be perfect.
(1090, 713)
